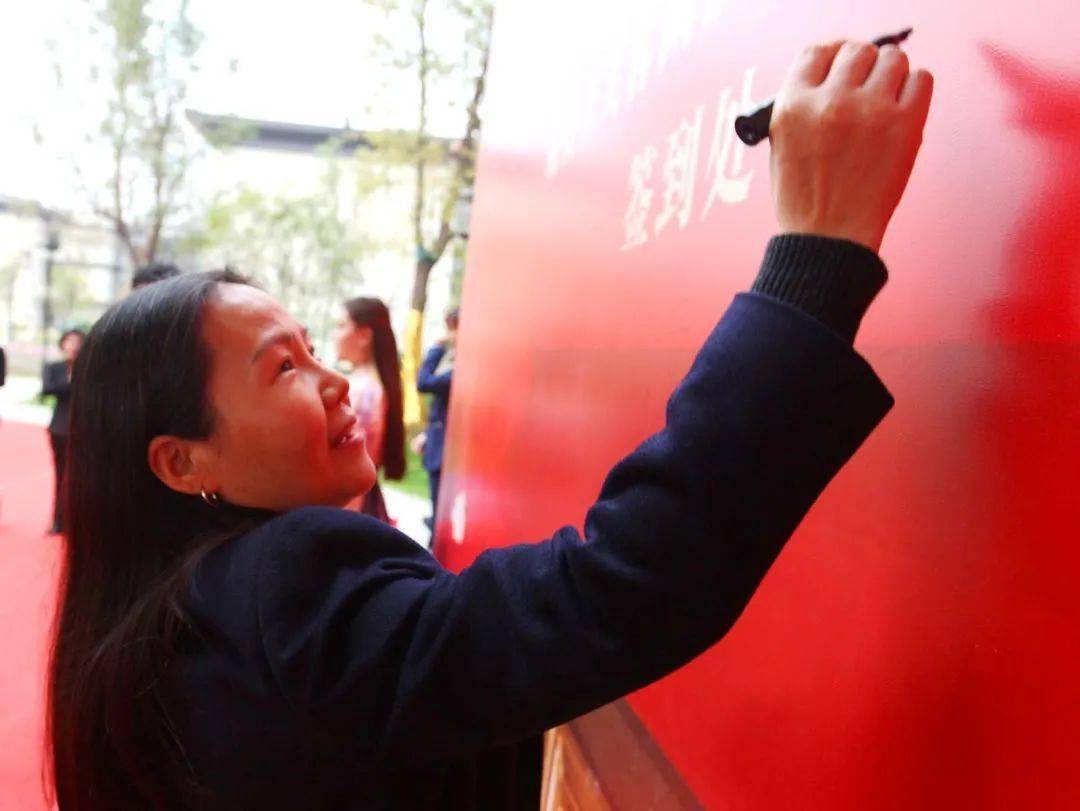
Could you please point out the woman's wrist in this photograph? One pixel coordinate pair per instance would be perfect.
(833, 280)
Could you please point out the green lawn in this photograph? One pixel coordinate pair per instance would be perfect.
(415, 482)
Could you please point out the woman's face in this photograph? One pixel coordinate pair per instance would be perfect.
(70, 346)
(353, 342)
(284, 433)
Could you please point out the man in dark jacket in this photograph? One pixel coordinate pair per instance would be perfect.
(56, 381)
(159, 272)
(434, 378)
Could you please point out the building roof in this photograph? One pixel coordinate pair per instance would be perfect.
(275, 135)
(22, 207)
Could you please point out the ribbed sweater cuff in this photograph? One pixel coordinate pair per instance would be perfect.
(832, 280)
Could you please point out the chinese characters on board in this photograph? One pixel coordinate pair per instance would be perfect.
(641, 40)
(663, 186)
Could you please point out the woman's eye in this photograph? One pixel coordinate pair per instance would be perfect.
(286, 366)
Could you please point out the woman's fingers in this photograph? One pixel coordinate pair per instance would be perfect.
(916, 92)
(843, 149)
(812, 66)
(889, 72)
(853, 64)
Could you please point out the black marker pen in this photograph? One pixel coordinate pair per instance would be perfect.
(753, 128)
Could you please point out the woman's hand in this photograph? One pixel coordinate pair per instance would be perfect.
(845, 131)
(418, 443)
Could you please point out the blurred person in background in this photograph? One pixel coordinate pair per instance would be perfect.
(154, 273)
(367, 348)
(56, 381)
(434, 378)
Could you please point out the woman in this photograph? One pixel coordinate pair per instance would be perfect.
(229, 638)
(56, 381)
(365, 343)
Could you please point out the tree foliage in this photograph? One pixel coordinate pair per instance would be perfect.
(303, 249)
(456, 67)
(144, 56)
(9, 274)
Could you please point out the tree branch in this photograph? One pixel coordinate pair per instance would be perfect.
(419, 16)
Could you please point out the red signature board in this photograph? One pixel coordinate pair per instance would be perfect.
(918, 643)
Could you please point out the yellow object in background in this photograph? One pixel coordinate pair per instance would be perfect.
(411, 407)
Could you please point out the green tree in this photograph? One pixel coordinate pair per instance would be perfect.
(143, 55)
(70, 295)
(442, 174)
(303, 249)
(9, 274)
(441, 170)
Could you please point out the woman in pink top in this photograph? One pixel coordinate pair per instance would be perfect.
(366, 345)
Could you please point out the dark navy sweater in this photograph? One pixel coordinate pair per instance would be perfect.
(340, 666)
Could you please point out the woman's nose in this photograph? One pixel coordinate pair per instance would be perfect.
(335, 389)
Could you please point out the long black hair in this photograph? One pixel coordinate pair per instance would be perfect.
(371, 312)
(130, 544)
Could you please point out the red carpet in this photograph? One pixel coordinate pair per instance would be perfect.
(28, 566)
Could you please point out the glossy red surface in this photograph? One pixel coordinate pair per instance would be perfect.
(918, 643)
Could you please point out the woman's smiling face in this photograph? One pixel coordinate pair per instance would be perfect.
(284, 434)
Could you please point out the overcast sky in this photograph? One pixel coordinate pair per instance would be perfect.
(304, 61)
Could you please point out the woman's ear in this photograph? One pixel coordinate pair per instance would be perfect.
(179, 464)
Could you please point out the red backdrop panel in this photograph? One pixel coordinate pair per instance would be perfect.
(917, 643)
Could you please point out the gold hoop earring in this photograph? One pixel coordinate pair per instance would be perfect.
(213, 499)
